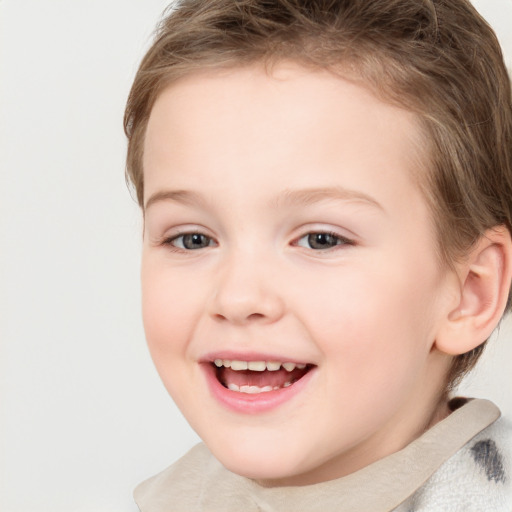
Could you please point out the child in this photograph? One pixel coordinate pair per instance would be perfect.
(327, 198)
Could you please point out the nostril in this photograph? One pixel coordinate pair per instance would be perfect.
(255, 316)
(252, 317)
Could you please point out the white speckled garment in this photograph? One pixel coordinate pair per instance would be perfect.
(462, 464)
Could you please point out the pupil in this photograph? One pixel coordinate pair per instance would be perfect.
(321, 240)
(195, 241)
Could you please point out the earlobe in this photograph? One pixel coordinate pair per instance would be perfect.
(484, 279)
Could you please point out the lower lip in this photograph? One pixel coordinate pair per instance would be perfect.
(253, 403)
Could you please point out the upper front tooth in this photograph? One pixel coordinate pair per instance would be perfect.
(238, 365)
(257, 366)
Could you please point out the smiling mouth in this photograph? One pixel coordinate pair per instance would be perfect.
(254, 377)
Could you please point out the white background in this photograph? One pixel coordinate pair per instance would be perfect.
(83, 416)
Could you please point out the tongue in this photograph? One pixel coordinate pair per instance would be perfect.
(261, 379)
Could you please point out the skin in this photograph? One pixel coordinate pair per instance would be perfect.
(245, 150)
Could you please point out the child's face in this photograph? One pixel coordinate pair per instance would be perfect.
(283, 224)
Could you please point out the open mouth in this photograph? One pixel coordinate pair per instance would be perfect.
(254, 377)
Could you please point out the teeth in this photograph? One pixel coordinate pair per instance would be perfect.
(254, 390)
(238, 365)
(257, 366)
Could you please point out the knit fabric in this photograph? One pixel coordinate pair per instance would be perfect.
(476, 479)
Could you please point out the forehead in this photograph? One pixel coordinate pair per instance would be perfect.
(292, 119)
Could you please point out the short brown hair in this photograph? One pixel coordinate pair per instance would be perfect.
(437, 58)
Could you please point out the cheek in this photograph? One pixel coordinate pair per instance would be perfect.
(375, 322)
(167, 309)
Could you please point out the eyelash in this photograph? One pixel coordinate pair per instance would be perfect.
(168, 242)
(340, 241)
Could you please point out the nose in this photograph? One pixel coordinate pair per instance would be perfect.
(246, 291)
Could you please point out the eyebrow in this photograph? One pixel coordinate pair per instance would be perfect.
(179, 196)
(304, 197)
(290, 197)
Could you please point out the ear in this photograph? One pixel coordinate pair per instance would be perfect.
(484, 280)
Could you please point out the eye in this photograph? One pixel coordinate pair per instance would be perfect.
(322, 241)
(190, 241)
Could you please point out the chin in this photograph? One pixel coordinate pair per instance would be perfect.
(261, 471)
(256, 463)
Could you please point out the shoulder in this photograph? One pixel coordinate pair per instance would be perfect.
(478, 477)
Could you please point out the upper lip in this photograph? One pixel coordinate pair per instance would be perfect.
(250, 356)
